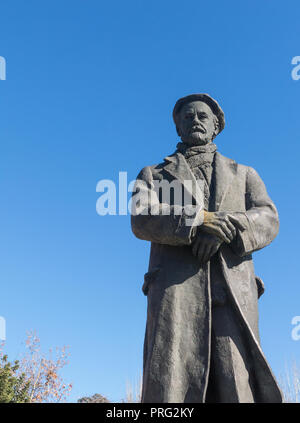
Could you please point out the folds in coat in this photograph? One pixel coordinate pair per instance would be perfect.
(177, 339)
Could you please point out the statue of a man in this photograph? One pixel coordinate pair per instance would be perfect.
(202, 341)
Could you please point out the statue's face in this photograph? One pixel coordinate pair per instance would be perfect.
(196, 123)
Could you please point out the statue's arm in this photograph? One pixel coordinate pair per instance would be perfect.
(260, 221)
(158, 222)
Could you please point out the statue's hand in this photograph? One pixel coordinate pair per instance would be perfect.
(205, 245)
(220, 224)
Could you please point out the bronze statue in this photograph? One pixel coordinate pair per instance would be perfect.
(202, 341)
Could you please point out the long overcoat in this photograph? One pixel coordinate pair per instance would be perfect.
(177, 338)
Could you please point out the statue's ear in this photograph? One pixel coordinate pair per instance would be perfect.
(217, 127)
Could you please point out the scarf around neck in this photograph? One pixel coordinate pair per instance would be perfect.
(198, 155)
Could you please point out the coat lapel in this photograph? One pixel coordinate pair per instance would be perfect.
(179, 169)
(224, 169)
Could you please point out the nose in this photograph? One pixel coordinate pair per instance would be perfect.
(196, 119)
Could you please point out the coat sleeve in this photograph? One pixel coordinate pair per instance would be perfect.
(260, 220)
(154, 221)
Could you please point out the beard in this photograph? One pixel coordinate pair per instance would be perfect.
(195, 138)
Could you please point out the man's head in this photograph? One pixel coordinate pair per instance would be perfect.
(198, 119)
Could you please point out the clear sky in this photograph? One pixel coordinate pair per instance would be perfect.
(89, 93)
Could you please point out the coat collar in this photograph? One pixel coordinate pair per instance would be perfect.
(224, 170)
(178, 167)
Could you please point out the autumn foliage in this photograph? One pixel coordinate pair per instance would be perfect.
(35, 375)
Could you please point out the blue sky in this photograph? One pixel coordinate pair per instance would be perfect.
(89, 93)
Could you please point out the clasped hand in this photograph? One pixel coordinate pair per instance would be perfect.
(217, 227)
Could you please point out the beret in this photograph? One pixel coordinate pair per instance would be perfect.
(213, 104)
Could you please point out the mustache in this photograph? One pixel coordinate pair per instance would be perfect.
(198, 128)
